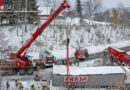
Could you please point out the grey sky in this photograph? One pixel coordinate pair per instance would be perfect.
(106, 3)
(114, 3)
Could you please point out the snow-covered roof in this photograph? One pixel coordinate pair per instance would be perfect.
(74, 70)
(117, 49)
(45, 10)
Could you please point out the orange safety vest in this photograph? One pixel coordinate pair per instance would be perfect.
(38, 67)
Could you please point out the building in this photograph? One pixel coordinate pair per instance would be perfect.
(45, 12)
(89, 77)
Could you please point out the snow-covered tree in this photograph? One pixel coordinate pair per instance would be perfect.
(4, 51)
(79, 8)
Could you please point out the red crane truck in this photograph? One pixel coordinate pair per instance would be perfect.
(81, 53)
(22, 62)
(119, 56)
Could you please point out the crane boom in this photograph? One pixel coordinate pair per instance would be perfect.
(40, 29)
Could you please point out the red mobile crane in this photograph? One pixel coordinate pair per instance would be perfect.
(22, 62)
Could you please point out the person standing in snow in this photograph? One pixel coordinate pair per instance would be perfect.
(16, 82)
(43, 86)
(20, 86)
(7, 85)
(32, 86)
(77, 61)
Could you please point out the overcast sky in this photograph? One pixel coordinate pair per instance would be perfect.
(106, 3)
(114, 3)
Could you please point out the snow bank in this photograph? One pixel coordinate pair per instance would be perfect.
(96, 62)
(74, 70)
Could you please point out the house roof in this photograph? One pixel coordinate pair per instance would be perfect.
(45, 10)
(76, 70)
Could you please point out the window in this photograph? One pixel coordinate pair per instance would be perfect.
(50, 58)
(81, 52)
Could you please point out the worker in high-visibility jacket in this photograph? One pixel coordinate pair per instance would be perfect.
(20, 86)
(32, 86)
(38, 67)
(43, 85)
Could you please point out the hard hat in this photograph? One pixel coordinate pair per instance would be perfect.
(32, 83)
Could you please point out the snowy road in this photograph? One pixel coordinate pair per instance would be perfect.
(92, 56)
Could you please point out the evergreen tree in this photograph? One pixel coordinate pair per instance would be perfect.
(32, 16)
(19, 5)
(79, 8)
(8, 6)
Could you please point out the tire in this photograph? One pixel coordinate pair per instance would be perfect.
(22, 71)
(30, 71)
(43, 66)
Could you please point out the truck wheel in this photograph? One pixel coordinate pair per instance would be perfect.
(43, 66)
(22, 71)
(30, 71)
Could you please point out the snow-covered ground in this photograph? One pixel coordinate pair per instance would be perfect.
(44, 75)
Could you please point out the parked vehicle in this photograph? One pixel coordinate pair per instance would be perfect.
(47, 58)
(44, 59)
(119, 56)
(81, 53)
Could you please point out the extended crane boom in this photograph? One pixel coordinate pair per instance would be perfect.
(40, 29)
(21, 62)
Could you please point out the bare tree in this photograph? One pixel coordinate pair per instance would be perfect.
(106, 15)
(4, 51)
(125, 19)
(91, 6)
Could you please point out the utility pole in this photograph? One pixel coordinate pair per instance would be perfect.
(89, 14)
(54, 19)
(26, 16)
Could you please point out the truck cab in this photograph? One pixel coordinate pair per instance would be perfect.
(81, 53)
(126, 60)
(47, 58)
